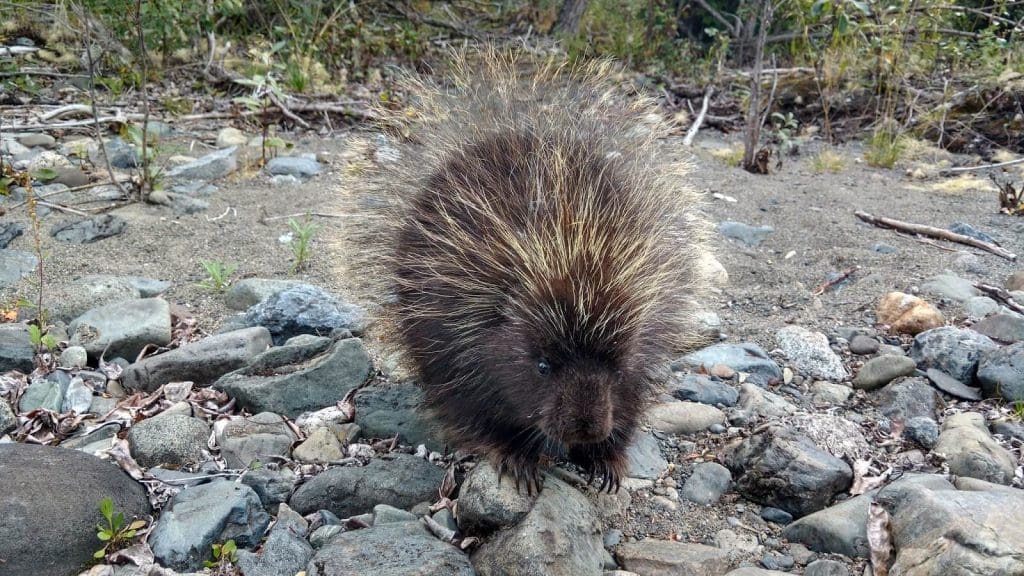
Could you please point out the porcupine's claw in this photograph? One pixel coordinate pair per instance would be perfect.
(523, 472)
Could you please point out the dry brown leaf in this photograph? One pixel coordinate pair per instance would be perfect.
(879, 539)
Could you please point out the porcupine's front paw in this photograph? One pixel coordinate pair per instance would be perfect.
(606, 460)
(523, 469)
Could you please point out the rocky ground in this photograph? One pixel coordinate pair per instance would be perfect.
(839, 422)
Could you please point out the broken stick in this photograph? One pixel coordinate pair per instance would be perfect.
(883, 222)
(1001, 295)
(692, 132)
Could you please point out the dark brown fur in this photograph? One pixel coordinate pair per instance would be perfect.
(545, 259)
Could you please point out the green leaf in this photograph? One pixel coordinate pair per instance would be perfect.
(118, 521)
(104, 536)
(128, 534)
(100, 553)
(817, 8)
(136, 524)
(107, 507)
(842, 23)
(862, 6)
(45, 174)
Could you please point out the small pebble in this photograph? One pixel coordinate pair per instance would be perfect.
(775, 515)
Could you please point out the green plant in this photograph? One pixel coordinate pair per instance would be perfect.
(300, 242)
(827, 161)
(1018, 410)
(884, 147)
(224, 557)
(115, 533)
(39, 339)
(783, 128)
(265, 91)
(217, 275)
(150, 175)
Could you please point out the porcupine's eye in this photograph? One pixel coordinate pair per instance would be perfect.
(543, 368)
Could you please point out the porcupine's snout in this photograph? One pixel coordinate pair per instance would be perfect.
(585, 413)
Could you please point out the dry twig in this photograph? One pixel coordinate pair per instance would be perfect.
(692, 132)
(883, 222)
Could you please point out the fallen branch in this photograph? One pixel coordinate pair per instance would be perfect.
(83, 109)
(883, 222)
(60, 208)
(692, 132)
(287, 113)
(1001, 295)
(117, 118)
(846, 274)
(981, 167)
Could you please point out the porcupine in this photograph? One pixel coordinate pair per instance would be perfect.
(545, 256)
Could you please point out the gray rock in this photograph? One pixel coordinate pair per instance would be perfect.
(670, 558)
(922, 430)
(74, 357)
(745, 233)
(250, 291)
(707, 483)
(1001, 372)
(293, 166)
(445, 518)
(644, 457)
(168, 438)
(42, 393)
(89, 230)
(93, 291)
(37, 139)
(756, 401)
(70, 177)
(954, 351)
(828, 393)
(77, 398)
(16, 352)
(683, 417)
(210, 167)
(402, 481)
(832, 433)
(8, 420)
(386, 410)
(839, 529)
(951, 287)
(320, 446)
(148, 287)
(971, 451)
(285, 551)
(120, 153)
(967, 230)
(908, 398)
(826, 568)
(206, 514)
(952, 386)
(863, 345)
(776, 561)
(1009, 429)
(775, 515)
(266, 385)
(383, 514)
(746, 357)
(15, 265)
(122, 329)
(810, 354)
(395, 549)
(751, 571)
(199, 362)
(942, 531)
(485, 504)
(304, 309)
(258, 438)
(1005, 328)
(9, 231)
(49, 507)
(881, 370)
(979, 307)
(231, 136)
(781, 468)
(700, 388)
(558, 537)
(272, 486)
